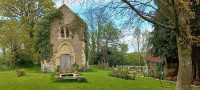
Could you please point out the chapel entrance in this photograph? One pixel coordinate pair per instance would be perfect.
(65, 62)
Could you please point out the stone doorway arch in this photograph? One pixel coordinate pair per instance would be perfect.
(65, 56)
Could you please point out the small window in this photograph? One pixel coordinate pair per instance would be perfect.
(67, 32)
(62, 33)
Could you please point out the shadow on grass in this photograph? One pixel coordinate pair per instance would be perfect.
(70, 80)
(96, 68)
(67, 80)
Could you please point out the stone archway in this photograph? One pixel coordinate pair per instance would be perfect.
(65, 56)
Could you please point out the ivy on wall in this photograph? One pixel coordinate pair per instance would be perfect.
(78, 25)
(86, 39)
(159, 66)
(44, 45)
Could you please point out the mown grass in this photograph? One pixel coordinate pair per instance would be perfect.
(96, 80)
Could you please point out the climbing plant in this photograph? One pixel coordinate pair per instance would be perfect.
(148, 64)
(43, 33)
(86, 38)
(78, 25)
(44, 45)
(159, 66)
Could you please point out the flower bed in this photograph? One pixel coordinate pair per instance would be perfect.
(195, 82)
(123, 73)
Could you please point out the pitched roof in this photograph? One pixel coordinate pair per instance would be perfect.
(77, 17)
(66, 7)
(151, 58)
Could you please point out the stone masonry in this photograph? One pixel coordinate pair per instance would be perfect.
(65, 41)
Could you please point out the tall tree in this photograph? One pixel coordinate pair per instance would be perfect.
(163, 41)
(13, 38)
(137, 36)
(145, 49)
(124, 47)
(109, 38)
(94, 18)
(27, 13)
(135, 59)
(2, 45)
(179, 14)
(195, 26)
(110, 34)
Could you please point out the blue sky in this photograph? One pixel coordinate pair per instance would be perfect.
(128, 39)
(74, 5)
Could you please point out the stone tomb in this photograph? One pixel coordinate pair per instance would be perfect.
(69, 76)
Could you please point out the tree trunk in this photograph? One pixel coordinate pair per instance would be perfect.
(93, 47)
(98, 37)
(147, 69)
(185, 66)
(138, 44)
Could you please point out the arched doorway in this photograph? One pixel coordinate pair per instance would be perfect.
(65, 56)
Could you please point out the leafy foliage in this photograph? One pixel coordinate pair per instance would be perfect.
(113, 58)
(134, 59)
(20, 72)
(25, 59)
(13, 40)
(43, 33)
(124, 47)
(137, 35)
(110, 34)
(163, 41)
(123, 73)
(86, 40)
(159, 67)
(18, 30)
(116, 58)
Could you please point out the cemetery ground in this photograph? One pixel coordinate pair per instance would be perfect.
(98, 79)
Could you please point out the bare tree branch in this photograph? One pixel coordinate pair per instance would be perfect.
(143, 17)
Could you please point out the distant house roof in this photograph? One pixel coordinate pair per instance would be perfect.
(151, 58)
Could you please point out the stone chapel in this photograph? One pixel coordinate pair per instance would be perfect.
(67, 39)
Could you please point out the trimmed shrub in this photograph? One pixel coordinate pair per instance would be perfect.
(25, 59)
(21, 72)
(157, 75)
(170, 72)
(83, 69)
(58, 69)
(123, 73)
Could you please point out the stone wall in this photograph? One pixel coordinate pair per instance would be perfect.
(71, 45)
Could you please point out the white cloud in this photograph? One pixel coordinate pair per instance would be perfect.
(79, 3)
(128, 34)
(70, 3)
(150, 29)
(130, 41)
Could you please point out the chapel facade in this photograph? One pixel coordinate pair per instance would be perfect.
(67, 39)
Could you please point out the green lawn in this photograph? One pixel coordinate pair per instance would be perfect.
(96, 80)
